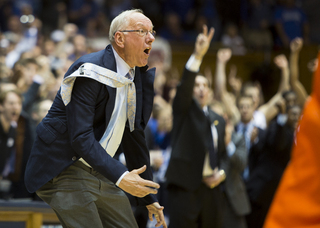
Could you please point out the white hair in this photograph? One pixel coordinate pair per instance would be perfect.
(121, 21)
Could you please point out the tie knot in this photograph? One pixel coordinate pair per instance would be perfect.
(130, 74)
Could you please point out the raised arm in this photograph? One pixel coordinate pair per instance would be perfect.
(270, 109)
(184, 93)
(223, 56)
(282, 62)
(220, 88)
(295, 47)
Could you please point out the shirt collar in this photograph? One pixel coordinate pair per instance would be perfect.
(248, 126)
(122, 67)
(205, 110)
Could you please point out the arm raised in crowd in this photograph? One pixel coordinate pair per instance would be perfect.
(296, 85)
(221, 93)
(270, 109)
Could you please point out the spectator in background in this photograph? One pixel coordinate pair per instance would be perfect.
(265, 112)
(236, 204)
(28, 81)
(115, 7)
(80, 47)
(233, 40)
(23, 140)
(25, 42)
(10, 109)
(7, 10)
(82, 11)
(53, 15)
(264, 179)
(257, 20)
(184, 9)
(295, 48)
(172, 29)
(253, 134)
(220, 86)
(208, 10)
(290, 23)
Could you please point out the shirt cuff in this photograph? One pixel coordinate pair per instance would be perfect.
(231, 149)
(193, 64)
(38, 79)
(120, 178)
(282, 119)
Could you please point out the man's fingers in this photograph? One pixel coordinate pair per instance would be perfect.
(211, 33)
(141, 170)
(150, 184)
(150, 214)
(205, 30)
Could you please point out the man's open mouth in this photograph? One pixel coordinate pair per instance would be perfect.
(147, 51)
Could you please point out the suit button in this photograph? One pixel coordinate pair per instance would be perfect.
(74, 158)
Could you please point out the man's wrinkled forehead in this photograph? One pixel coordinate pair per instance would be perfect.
(139, 20)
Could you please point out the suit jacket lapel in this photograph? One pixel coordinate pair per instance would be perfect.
(147, 78)
(138, 84)
(109, 62)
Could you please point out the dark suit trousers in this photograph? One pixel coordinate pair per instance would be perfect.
(82, 197)
(199, 209)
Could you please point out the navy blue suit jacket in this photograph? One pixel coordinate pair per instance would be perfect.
(73, 131)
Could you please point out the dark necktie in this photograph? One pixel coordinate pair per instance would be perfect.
(213, 157)
(212, 153)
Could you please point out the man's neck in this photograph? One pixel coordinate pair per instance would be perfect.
(246, 122)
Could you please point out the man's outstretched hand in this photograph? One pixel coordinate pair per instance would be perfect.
(133, 184)
(157, 210)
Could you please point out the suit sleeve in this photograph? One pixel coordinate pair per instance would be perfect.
(80, 117)
(183, 98)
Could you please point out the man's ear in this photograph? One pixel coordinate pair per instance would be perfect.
(119, 39)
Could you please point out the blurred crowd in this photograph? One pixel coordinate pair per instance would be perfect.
(40, 39)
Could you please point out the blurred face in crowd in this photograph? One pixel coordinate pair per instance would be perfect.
(79, 42)
(133, 47)
(29, 71)
(49, 47)
(165, 119)
(246, 109)
(290, 98)
(293, 116)
(6, 86)
(255, 94)
(11, 107)
(14, 24)
(201, 90)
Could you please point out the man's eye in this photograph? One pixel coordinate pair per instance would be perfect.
(142, 32)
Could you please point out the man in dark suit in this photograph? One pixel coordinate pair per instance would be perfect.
(236, 202)
(197, 143)
(255, 141)
(265, 178)
(71, 166)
